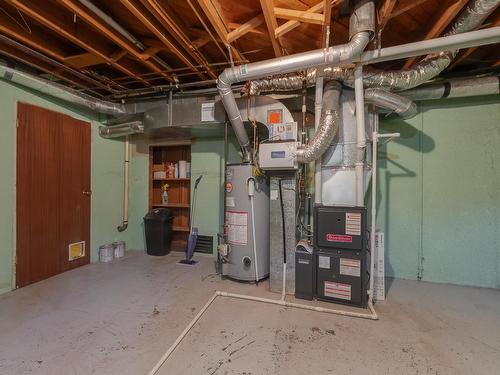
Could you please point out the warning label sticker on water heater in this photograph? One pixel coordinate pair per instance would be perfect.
(337, 290)
(353, 223)
(237, 227)
(350, 267)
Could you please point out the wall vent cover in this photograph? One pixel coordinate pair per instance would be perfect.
(204, 244)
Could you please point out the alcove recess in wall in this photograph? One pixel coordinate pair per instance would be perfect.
(179, 189)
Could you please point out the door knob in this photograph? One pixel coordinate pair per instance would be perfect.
(87, 193)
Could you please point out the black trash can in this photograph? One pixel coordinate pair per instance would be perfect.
(158, 228)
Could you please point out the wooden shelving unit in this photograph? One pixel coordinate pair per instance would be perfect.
(179, 200)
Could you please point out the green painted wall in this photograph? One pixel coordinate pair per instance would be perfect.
(207, 158)
(439, 193)
(107, 178)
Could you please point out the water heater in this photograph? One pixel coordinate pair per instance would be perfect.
(244, 222)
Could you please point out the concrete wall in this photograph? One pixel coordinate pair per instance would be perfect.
(107, 178)
(439, 193)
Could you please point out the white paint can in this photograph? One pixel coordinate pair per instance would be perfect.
(119, 248)
(106, 253)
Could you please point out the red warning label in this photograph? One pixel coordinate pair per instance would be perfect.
(338, 237)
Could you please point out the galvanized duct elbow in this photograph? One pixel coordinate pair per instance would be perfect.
(329, 123)
(361, 29)
(431, 66)
(60, 92)
(404, 107)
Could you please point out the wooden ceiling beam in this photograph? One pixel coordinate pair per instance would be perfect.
(43, 66)
(105, 30)
(290, 25)
(165, 19)
(405, 6)
(384, 12)
(440, 25)
(271, 23)
(214, 14)
(84, 60)
(155, 28)
(34, 39)
(53, 21)
(245, 28)
(299, 15)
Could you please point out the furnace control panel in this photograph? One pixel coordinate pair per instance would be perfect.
(279, 155)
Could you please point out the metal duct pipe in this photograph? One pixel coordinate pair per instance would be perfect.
(121, 130)
(403, 106)
(471, 18)
(59, 91)
(457, 88)
(333, 55)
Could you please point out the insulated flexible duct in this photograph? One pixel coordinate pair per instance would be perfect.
(431, 66)
(329, 124)
(362, 29)
(401, 105)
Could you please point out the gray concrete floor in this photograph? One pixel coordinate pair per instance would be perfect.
(119, 318)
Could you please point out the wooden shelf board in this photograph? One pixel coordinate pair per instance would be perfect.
(172, 179)
(173, 205)
(180, 229)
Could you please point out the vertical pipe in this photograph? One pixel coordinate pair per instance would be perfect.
(317, 164)
(360, 134)
(374, 208)
(124, 225)
(170, 108)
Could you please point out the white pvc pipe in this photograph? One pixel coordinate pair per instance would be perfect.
(124, 225)
(374, 208)
(254, 239)
(372, 316)
(360, 134)
(318, 100)
(176, 343)
(283, 287)
(476, 38)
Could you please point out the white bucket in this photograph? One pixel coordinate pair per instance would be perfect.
(106, 253)
(119, 248)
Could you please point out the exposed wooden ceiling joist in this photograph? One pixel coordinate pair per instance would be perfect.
(290, 25)
(299, 15)
(163, 17)
(83, 60)
(54, 21)
(100, 26)
(245, 28)
(214, 14)
(268, 10)
(384, 12)
(440, 24)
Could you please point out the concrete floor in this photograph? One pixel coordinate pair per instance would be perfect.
(119, 318)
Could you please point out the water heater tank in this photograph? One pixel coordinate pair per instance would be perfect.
(239, 223)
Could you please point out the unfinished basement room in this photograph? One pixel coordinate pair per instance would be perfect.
(218, 187)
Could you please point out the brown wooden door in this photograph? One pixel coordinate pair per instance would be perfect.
(53, 176)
